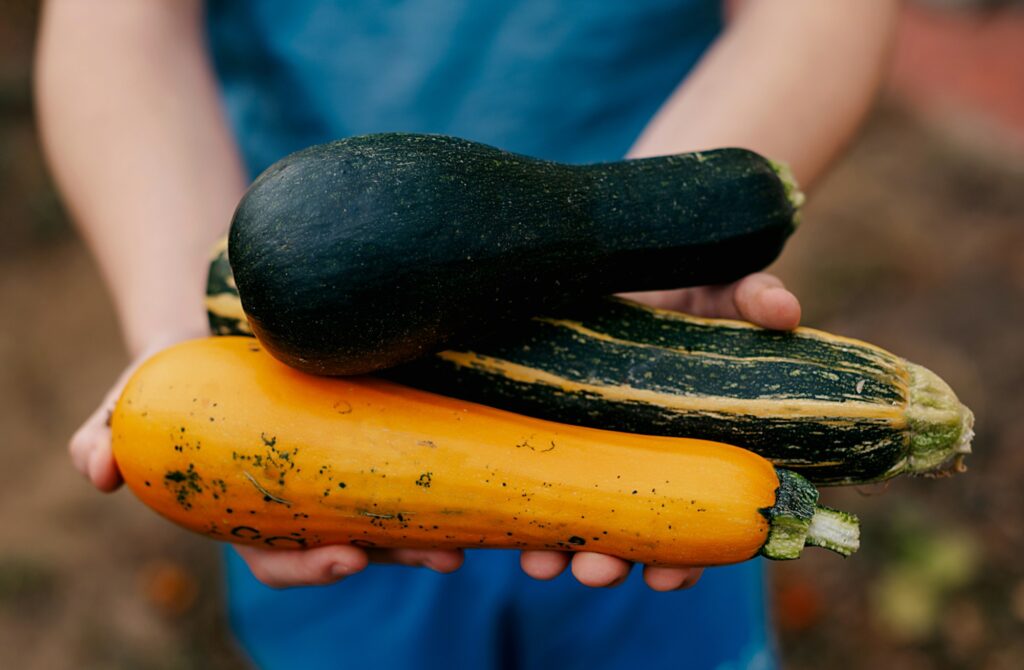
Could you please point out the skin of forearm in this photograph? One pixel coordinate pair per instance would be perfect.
(140, 149)
(790, 79)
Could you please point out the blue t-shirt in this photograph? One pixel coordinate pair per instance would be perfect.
(567, 80)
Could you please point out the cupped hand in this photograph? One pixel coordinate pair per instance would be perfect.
(759, 298)
(278, 568)
(89, 447)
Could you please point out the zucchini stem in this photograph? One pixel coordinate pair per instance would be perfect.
(834, 530)
(796, 520)
(795, 196)
(941, 427)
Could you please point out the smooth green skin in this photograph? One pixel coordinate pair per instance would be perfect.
(361, 254)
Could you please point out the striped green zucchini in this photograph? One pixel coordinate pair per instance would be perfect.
(223, 306)
(834, 409)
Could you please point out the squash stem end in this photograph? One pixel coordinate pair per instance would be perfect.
(796, 520)
(834, 530)
(795, 196)
(941, 427)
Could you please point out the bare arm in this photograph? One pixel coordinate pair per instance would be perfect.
(133, 130)
(791, 79)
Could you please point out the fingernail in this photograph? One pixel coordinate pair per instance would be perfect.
(617, 582)
(340, 570)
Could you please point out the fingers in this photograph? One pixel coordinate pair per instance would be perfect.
(103, 472)
(671, 579)
(762, 299)
(326, 565)
(599, 570)
(590, 569)
(303, 567)
(90, 445)
(438, 560)
(82, 444)
(544, 565)
(759, 298)
(91, 454)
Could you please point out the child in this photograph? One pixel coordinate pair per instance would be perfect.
(156, 113)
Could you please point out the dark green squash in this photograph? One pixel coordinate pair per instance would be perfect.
(372, 251)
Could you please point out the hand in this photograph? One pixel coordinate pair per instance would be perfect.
(325, 565)
(759, 298)
(90, 445)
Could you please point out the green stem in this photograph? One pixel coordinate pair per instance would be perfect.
(834, 530)
(793, 193)
(796, 521)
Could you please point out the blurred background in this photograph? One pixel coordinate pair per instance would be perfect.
(914, 242)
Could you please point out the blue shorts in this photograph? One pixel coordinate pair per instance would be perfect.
(489, 614)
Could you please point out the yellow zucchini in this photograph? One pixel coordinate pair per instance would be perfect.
(221, 438)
